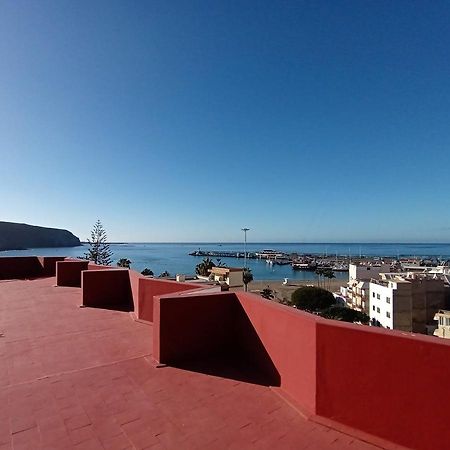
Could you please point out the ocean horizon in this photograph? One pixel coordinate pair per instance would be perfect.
(174, 256)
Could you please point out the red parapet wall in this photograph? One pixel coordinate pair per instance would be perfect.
(193, 327)
(145, 289)
(390, 384)
(22, 267)
(48, 264)
(289, 338)
(68, 273)
(109, 289)
(384, 385)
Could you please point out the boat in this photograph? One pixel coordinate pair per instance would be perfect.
(309, 266)
(340, 268)
(269, 253)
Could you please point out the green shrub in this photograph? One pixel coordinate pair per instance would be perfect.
(312, 299)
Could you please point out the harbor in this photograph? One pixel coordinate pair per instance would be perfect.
(313, 262)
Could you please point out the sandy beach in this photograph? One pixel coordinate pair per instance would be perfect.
(283, 292)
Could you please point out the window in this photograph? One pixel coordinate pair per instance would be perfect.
(378, 310)
(378, 296)
(388, 314)
(373, 308)
(447, 321)
(388, 300)
(373, 294)
(441, 320)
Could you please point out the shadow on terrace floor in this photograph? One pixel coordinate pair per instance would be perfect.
(233, 368)
(243, 358)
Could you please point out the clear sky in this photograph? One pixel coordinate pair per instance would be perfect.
(306, 121)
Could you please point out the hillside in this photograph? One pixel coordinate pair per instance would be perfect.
(18, 236)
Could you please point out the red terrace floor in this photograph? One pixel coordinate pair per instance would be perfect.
(83, 379)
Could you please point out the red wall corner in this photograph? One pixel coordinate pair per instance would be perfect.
(68, 273)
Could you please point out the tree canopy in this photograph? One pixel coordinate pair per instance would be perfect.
(345, 314)
(312, 299)
(322, 302)
(147, 272)
(99, 251)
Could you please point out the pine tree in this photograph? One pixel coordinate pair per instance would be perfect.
(99, 251)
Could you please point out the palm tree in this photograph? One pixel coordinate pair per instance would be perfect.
(319, 272)
(267, 293)
(124, 262)
(204, 267)
(247, 277)
(328, 273)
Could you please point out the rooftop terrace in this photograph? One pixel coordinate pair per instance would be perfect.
(241, 372)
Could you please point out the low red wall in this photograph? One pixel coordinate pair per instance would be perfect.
(48, 264)
(386, 384)
(106, 289)
(68, 273)
(22, 267)
(93, 266)
(289, 338)
(192, 327)
(147, 288)
(389, 384)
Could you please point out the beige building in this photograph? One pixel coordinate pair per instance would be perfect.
(232, 276)
(443, 319)
(407, 302)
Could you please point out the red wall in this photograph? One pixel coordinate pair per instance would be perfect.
(19, 267)
(147, 288)
(389, 384)
(68, 273)
(93, 266)
(192, 327)
(106, 289)
(289, 337)
(48, 264)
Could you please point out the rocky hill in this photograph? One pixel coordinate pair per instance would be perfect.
(18, 236)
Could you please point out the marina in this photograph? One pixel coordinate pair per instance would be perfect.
(181, 258)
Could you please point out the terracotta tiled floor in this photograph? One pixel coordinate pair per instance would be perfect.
(83, 379)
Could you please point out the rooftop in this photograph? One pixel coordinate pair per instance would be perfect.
(151, 363)
(76, 377)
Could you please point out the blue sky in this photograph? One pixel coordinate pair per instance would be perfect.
(306, 121)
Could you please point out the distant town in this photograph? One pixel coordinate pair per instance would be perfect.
(406, 294)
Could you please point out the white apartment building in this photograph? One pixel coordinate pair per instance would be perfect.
(407, 302)
(443, 319)
(357, 289)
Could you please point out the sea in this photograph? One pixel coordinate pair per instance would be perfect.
(175, 258)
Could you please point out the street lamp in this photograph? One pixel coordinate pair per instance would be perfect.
(245, 245)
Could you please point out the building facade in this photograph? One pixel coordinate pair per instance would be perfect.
(407, 302)
(357, 289)
(443, 327)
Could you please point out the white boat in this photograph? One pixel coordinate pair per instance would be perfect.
(269, 253)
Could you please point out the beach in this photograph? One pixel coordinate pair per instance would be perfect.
(283, 292)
